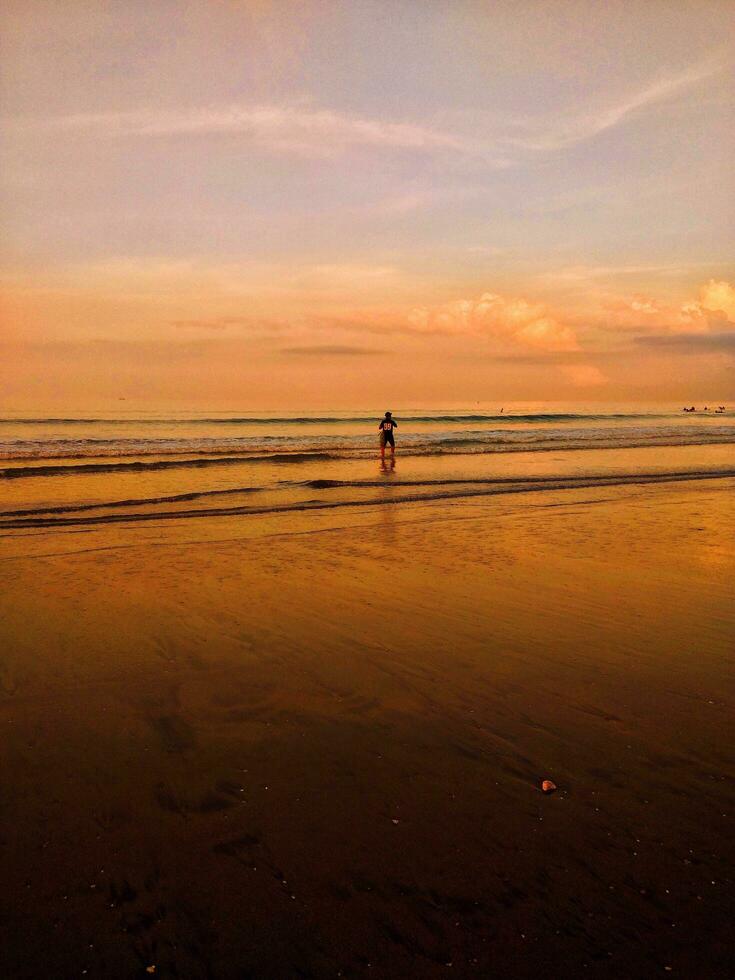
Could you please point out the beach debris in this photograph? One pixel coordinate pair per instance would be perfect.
(151, 968)
(394, 821)
(547, 786)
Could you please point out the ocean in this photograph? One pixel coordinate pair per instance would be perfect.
(106, 467)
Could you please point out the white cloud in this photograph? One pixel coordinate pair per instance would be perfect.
(719, 298)
(507, 318)
(568, 131)
(308, 130)
(714, 308)
(283, 128)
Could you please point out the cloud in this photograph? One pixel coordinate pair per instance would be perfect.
(511, 319)
(639, 313)
(336, 350)
(567, 132)
(555, 357)
(713, 309)
(199, 324)
(280, 128)
(491, 251)
(691, 343)
(303, 129)
(718, 298)
(224, 322)
(590, 273)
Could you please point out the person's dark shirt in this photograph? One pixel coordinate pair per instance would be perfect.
(387, 426)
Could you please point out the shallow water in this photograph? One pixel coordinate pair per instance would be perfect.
(530, 427)
(146, 467)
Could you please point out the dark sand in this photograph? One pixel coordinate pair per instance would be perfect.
(311, 745)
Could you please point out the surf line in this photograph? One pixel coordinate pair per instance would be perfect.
(500, 489)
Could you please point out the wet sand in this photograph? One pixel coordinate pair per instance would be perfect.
(310, 744)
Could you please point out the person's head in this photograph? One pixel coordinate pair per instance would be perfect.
(388, 414)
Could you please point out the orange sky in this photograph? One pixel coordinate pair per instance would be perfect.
(258, 205)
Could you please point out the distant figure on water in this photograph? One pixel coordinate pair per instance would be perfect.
(718, 411)
(386, 427)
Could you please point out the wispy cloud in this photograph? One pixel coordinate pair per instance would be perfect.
(284, 128)
(321, 131)
(691, 342)
(221, 324)
(224, 322)
(567, 131)
(335, 350)
(587, 273)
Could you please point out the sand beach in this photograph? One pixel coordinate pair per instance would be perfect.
(293, 740)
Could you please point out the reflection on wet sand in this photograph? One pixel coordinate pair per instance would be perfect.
(299, 743)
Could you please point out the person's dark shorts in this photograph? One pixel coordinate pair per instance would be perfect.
(386, 439)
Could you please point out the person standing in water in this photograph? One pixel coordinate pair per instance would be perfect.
(386, 427)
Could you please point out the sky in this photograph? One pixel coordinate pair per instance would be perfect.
(262, 205)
